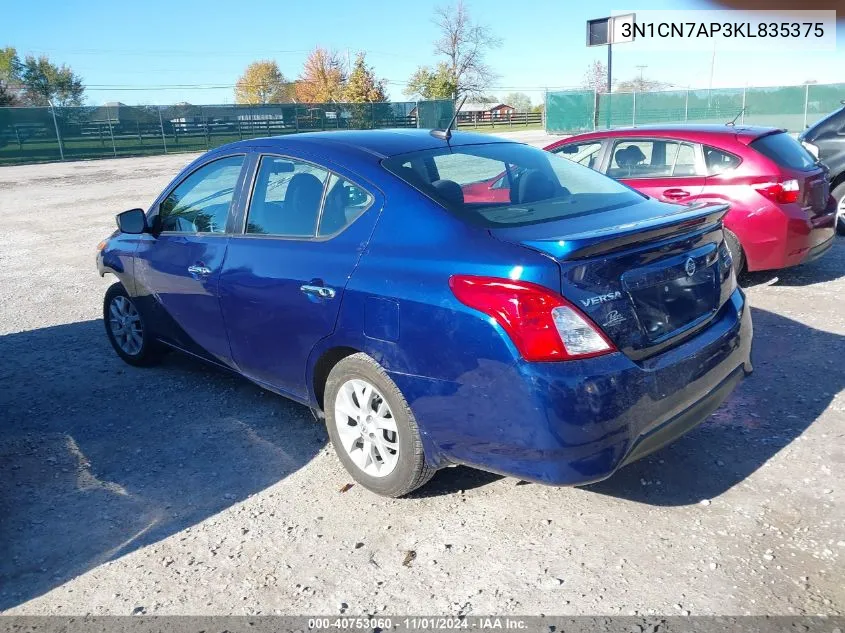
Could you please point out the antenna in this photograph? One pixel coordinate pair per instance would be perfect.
(732, 122)
(447, 133)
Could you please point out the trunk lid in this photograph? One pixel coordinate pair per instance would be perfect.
(649, 275)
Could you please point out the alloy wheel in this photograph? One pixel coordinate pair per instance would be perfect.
(367, 428)
(125, 325)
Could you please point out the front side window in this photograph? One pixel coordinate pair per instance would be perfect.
(200, 203)
(286, 198)
(586, 154)
(645, 158)
(542, 187)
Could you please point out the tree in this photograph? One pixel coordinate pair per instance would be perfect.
(363, 85)
(483, 98)
(10, 76)
(44, 82)
(263, 82)
(641, 84)
(7, 96)
(465, 43)
(323, 77)
(520, 101)
(540, 107)
(595, 78)
(10, 65)
(432, 84)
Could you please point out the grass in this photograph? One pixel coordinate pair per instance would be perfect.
(502, 127)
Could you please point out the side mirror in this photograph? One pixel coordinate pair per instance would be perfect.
(133, 222)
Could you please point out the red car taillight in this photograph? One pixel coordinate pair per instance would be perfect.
(542, 324)
(782, 192)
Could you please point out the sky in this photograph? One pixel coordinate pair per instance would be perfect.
(135, 52)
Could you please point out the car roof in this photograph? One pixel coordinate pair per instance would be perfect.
(689, 131)
(377, 144)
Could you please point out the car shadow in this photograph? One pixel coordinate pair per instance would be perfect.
(797, 372)
(99, 458)
(828, 267)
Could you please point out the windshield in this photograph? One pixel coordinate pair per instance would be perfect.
(509, 184)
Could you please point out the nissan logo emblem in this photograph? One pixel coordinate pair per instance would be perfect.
(690, 267)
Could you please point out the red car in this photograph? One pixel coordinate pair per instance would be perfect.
(782, 213)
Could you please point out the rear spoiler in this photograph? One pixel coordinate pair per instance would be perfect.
(697, 217)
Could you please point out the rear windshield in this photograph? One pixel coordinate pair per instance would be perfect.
(785, 151)
(509, 184)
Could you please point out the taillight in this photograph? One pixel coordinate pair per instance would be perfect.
(782, 192)
(542, 324)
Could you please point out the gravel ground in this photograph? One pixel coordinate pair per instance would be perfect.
(185, 490)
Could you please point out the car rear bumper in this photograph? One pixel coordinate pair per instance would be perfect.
(782, 239)
(577, 422)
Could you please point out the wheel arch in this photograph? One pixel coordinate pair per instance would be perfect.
(321, 365)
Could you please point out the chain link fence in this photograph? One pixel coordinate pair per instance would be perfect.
(30, 135)
(790, 107)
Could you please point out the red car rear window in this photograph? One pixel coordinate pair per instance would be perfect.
(785, 151)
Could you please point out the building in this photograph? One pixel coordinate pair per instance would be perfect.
(487, 111)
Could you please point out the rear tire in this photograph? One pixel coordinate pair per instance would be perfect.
(838, 194)
(351, 419)
(737, 254)
(126, 330)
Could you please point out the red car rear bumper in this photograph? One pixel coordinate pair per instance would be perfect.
(783, 236)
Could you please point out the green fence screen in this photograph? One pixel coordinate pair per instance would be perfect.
(44, 134)
(789, 107)
(570, 111)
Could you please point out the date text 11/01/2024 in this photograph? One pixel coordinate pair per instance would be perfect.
(418, 623)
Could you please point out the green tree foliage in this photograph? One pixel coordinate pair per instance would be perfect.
(439, 83)
(10, 65)
(263, 82)
(520, 101)
(10, 76)
(44, 82)
(363, 86)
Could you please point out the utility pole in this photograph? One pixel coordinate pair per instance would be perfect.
(641, 67)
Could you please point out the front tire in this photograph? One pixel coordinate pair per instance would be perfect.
(838, 194)
(126, 329)
(372, 428)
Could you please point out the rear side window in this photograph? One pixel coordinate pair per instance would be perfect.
(784, 151)
(643, 158)
(345, 202)
(719, 161)
(286, 198)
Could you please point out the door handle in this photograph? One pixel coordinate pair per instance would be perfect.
(324, 292)
(199, 271)
(675, 194)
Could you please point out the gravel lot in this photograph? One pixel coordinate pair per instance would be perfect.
(184, 490)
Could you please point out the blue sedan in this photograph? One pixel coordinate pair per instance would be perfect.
(463, 300)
